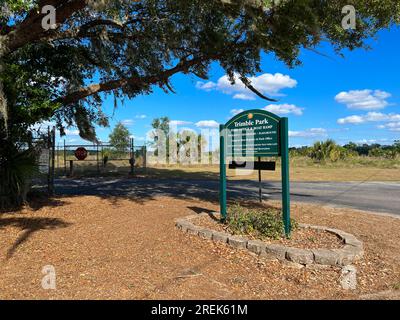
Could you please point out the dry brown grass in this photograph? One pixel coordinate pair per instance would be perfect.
(322, 173)
(113, 248)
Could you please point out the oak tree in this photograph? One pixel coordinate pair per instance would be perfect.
(127, 48)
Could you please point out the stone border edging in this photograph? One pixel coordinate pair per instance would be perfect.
(352, 251)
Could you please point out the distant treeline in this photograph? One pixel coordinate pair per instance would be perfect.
(329, 150)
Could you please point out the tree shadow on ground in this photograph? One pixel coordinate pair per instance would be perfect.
(136, 189)
(139, 189)
(113, 171)
(29, 226)
(35, 201)
(193, 173)
(199, 210)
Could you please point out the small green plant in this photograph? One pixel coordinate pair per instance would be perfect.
(263, 223)
(17, 169)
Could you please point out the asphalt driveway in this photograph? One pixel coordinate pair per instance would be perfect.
(371, 196)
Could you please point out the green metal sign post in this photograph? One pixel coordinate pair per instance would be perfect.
(284, 137)
(256, 133)
(222, 173)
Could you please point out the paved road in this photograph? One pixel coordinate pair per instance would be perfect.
(371, 196)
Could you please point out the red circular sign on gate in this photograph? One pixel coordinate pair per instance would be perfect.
(81, 153)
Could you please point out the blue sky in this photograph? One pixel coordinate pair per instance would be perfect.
(355, 98)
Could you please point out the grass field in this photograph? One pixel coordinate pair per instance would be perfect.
(296, 174)
(301, 169)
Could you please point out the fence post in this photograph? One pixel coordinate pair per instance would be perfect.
(53, 160)
(48, 147)
(65, 160)
(97, 158)
(145, 158)
(132, 160)
(71, 168)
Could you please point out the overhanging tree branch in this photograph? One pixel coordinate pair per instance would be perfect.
(162, 78)
(30, 30)
(140, 82)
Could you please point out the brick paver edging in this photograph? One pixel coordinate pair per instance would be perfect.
(351, 251)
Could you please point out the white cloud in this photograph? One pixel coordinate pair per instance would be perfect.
(364, 99)
(137, 138)
(234, 112)
(207, 124)
(141, 116)
(392, 126)
(128, 122)
(371, 141)
(245, 96)
(310, 133)
(268, 84)
(43, 126)
(283, 109)
(369, 117)
(69, 132)
(352, 120)
(179, 123)
(208, 86)
(70, 141)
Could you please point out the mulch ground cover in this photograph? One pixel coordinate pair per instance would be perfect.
(118, 248)
(300, 237)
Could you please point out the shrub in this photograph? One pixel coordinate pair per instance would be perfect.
(323, 151)
(16, 171)
(263, 223)
(376, 152)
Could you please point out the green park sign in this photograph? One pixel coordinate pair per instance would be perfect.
(256, 134)
(253, 133)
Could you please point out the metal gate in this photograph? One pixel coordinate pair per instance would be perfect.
(99, 159)
(44, 144)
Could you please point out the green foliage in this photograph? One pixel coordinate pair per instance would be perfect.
(328, 151)
(376, 152)
(17, 152)
(131, 46)
(161, 124)
(263, 223)
(106, 153)
(351, 154)
(17, 168)
(120, 138)
(190, 143)
(384, 153)
(187, 141)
